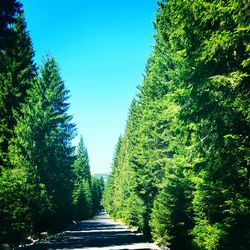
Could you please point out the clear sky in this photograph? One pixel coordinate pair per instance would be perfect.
(101, 47)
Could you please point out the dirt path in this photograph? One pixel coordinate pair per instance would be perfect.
(98, 233)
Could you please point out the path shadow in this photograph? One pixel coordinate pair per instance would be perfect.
(97, 233)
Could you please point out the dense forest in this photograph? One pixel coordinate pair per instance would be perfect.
(44, 181)
(180, 171)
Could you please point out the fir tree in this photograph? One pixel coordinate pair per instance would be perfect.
(187, 148)
(17, 71)
(82, 193)
(43, 144)
(97, 189)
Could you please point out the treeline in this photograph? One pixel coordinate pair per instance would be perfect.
(181, 170)
(44, 181)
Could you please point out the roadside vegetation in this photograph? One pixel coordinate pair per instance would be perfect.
(181, 169)
(45, 182)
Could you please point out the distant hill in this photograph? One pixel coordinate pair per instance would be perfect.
(103, 175)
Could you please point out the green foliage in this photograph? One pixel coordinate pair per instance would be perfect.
(16, 73)
(42, 186)
(108, 198)
(98, 188)
(185, 150)
(180, 171)
(133, 211)
(14, 204)
(23, 204)
(209, 236)
(82, 201)
(87, 191)
(42, 145)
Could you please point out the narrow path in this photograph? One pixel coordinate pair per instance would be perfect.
(99, 233)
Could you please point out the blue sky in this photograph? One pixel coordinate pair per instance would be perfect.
(101, 48)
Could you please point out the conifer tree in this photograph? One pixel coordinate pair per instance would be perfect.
(43, 144)
(120, 197)
(189, 150)
(97, 189)
(108, 199)
(17, 71)
(82, 192)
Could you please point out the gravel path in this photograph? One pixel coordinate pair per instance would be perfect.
(98, 233)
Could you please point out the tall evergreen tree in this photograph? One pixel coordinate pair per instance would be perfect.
(97, 190)
(17, 71)
(82, 193)
(108, 199)
(189, 150)
(43, 143)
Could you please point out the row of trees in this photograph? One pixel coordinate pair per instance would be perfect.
(181, 170)
(44, 182)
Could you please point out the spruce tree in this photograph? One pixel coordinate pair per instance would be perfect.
(109, 197)
(97, 189)
(43, 145)
(17, 71)
(59, 132)
(188, 148)
(82, 192)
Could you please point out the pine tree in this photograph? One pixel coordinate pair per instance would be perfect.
(17, 71)
(109, 197)
(187, 147)
(120, 197)
(43, 145)
(82, 193)
(97, 189)
(208, 52)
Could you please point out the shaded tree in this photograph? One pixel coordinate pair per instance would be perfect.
(82, 192)
(17, 71)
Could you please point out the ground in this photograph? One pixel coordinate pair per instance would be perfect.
(98, 233)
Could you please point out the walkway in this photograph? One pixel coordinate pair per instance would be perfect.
(99, 233)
